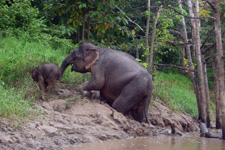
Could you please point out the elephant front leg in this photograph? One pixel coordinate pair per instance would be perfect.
(90, 94)
(42, 87)
(51, 86)
(97, 81)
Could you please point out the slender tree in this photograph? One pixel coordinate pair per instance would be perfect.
(152, 40)
(147, 28)
(216, 90)
(192, 74)
(83, 36)
(199, 64)
(220, 61)
(207, 96)
(137, 50)
(182, 58)
(191, 14)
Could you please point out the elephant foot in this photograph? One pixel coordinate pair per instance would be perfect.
(44, 97)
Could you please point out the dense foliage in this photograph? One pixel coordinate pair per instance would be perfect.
(36, 31)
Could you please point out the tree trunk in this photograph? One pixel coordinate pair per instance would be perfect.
(220, 62)
(200, 65)
(152, 41)
(191, 14)
(216, 90)
(83, 29)
(83, 40)
(206, 93)
(182, 59)
(88, 35)
(78, 33)
(137, 50)
(147, 30)
(189, 55)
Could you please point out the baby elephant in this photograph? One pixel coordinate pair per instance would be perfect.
(46, 75)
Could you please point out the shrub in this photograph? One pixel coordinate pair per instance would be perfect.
(176, 91)
(19, 16)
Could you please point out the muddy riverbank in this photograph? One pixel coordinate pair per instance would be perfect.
(73, 120)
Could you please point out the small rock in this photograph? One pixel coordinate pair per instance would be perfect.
(59, 107)
(50, 131)
(32, 125)
(64, 92)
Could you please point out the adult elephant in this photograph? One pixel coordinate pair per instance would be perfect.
(121, 80)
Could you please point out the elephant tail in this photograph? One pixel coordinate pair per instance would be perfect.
(147, 102)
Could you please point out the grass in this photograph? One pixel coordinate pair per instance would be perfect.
(17, 58)
(17, 89)
(13, 105)
(176, 91)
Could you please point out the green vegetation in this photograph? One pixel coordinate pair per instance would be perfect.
(37, 31)
(176, 91)
(12, 103)
(17, 58)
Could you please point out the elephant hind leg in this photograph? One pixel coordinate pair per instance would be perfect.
(130, 97)
(138, 113)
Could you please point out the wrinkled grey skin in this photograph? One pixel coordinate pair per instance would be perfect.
(90, 94)
(121, 80)
(46, 76)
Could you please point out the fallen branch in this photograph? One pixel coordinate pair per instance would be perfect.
(174, 66)
(204, 132)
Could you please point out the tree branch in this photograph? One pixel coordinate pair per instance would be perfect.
(189, 16)
(129, 18)
(174, 66)
(211, 5)
(207, 38)
(212, 45)
(178, 44)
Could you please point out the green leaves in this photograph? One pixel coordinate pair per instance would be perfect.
(82, 5)
(147, 13)
(144, 64)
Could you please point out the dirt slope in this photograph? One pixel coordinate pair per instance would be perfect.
(67, 122)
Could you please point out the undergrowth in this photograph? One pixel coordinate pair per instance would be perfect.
(17, 58)
(17, 89)
(176, 91)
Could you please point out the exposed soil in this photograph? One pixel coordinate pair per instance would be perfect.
(74, 120)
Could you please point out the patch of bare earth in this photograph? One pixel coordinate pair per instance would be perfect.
(66, 122)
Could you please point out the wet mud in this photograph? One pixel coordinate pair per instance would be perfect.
(72, 120)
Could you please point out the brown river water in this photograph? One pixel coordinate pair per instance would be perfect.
(155, 143)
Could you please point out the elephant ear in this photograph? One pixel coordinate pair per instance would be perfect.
(90, 58)
(34, 74)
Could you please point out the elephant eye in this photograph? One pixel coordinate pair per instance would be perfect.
(79, 56)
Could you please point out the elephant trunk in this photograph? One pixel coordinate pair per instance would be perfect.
(66, 62)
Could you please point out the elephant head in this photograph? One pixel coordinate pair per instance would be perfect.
(35, 74)
(81, 59)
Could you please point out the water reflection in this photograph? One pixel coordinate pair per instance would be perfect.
(155, 143)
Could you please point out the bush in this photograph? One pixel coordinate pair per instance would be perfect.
(18, 16)
(176, 91)
(18, 57)
(12, 103)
